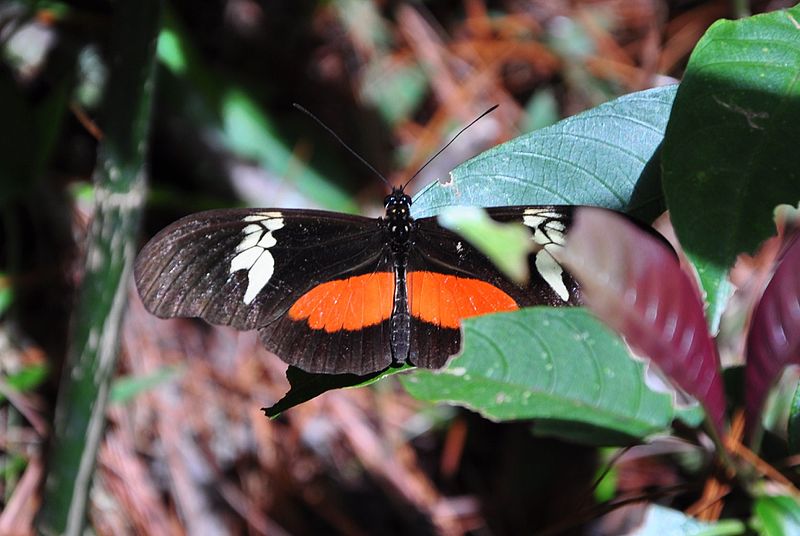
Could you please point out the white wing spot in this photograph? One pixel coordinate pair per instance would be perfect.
(274, 224)
(267, 241)
(556, 226)
(552, 273)
(539, 237)
(259, 275)
(531, 220)
(249, 241)
(253, 252)
(246, 259)
(548, 232)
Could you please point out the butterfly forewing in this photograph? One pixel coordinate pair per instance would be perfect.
(247, 268)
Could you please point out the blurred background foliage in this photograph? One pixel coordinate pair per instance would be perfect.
(186, 449)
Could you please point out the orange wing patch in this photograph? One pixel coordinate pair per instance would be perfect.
(347, 304)
(444, 299)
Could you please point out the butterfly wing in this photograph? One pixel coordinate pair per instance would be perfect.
(449, 280)
(317, 285)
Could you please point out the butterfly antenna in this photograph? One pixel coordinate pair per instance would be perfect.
(341, 141)
(440, 151)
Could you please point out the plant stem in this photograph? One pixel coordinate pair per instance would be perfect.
(94, 335)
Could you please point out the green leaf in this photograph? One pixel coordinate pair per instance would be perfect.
(303, 386)
(571, 39)
(541, 110)
(582, 433)
(506, 244)
(544, 363)
(129, 387)
(793, 427)
(172, 50)
(594, 158)
(606, 488)
(395, 88)
(730, 153)
(82, 192)
(691, 415)
(647, 200)
(776, 516)
(26, 379)
(12, 466)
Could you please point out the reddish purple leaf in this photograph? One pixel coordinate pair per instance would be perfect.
(774, 338)
(635, 285)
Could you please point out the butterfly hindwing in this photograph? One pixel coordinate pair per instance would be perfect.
(315, 284)
(339, 326)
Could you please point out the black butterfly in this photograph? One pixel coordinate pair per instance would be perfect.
(334, 293)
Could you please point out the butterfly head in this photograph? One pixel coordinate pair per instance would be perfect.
(397, 204)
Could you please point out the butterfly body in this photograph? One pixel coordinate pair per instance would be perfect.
(336, 293)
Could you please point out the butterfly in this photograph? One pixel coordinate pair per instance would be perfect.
(336, 293)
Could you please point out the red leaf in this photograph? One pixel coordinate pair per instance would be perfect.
(634, 283)
(773, 341)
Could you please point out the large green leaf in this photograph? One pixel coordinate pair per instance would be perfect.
(730, 153)
(594, 158)
(557, 364)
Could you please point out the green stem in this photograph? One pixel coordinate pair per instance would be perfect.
(94, 336)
